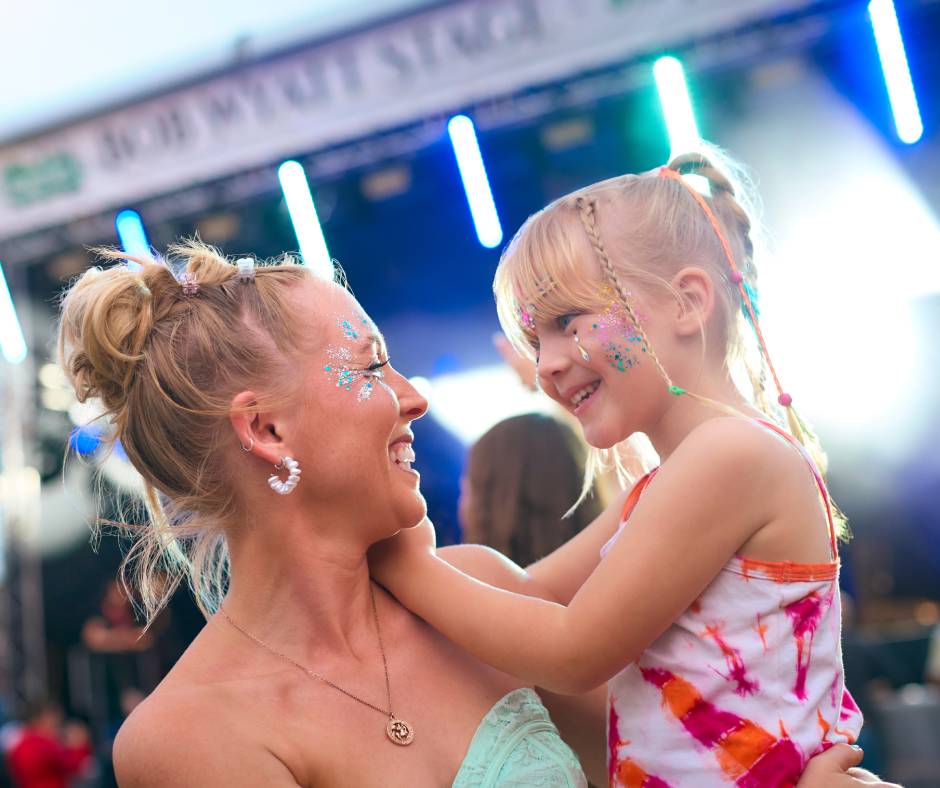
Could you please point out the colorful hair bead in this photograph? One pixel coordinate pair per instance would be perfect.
(526, 317)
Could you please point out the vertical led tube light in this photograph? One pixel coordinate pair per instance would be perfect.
(133, 236)
(884, 23)
(12, 342)
(676, 104)
(303, 216)
(476, 185)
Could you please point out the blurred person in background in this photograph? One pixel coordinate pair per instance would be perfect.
(48, 752)
(522, 477)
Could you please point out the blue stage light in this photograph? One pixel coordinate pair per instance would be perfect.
(12, 342)
(476, 185)
(677, 105)
(884, 23)
(303, 216)
(84, 440)
(133, 236)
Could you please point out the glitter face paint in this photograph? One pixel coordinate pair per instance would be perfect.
(341, 358)
(525, 316)
(347, 377)
(617, 334)
(351, 328)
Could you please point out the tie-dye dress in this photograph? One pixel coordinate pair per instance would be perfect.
(745, 687)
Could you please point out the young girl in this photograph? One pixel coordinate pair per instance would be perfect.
(713, 611)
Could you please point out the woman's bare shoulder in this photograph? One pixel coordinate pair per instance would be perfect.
(194, 735)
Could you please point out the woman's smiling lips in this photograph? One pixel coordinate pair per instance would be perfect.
(401, 454)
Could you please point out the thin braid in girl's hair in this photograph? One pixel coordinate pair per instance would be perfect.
(587, 210)
(796, 424)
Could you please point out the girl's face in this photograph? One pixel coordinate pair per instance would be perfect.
(596, 365)
(354, 415)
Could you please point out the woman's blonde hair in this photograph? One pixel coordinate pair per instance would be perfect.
(642, 229)
(165, 366)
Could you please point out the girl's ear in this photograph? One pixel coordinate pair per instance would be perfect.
(696, 300)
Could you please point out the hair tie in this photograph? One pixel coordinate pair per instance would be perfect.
(189, 284)
(246, 269)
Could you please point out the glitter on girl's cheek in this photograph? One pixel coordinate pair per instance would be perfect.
(620, 339)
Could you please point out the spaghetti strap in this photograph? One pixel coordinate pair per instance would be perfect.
(635, 493)
(823, 491)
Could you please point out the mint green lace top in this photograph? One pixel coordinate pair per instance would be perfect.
(517, 744)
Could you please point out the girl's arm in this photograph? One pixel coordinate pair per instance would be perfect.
(556, 577)
(492, 567)
(566, 569)
(705, 502)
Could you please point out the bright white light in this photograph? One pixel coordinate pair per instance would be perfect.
(51, 376)
(854, 245)
(884, 22)
(676, 104)
(133, 236)
(476, 185)
(422, 386)
(12, 342)
(303, 215)
(468, 403)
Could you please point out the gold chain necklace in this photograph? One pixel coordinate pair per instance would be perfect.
(397, 730)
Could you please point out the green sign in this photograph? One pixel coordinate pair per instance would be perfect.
(43, 179)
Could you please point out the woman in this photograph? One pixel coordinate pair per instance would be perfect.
(274, 439)
(522, 476)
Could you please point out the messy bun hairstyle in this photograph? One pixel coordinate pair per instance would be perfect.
(165, 362)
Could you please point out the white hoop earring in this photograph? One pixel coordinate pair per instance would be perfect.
(250, 446)
(293, 476)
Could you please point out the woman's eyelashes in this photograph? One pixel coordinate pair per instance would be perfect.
(374, 370)
(348, 378)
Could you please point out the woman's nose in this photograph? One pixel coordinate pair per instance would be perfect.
(411, 402)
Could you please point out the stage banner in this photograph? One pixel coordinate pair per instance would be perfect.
(452, 56)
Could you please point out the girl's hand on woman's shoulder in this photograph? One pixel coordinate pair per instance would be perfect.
(835, 768)
(396, 560)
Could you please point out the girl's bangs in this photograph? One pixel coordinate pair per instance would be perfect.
(541, 275)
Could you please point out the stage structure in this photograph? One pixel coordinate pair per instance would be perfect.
(390, 88)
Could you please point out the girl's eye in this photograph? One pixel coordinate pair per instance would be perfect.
(566, 320)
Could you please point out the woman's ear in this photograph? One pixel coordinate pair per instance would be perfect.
(695, 302)
(255, 429)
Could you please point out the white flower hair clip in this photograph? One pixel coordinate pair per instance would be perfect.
(246, 269)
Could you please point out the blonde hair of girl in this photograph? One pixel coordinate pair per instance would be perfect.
(652, 227)
(165, 361)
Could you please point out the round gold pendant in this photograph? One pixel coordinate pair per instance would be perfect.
(399, 731)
